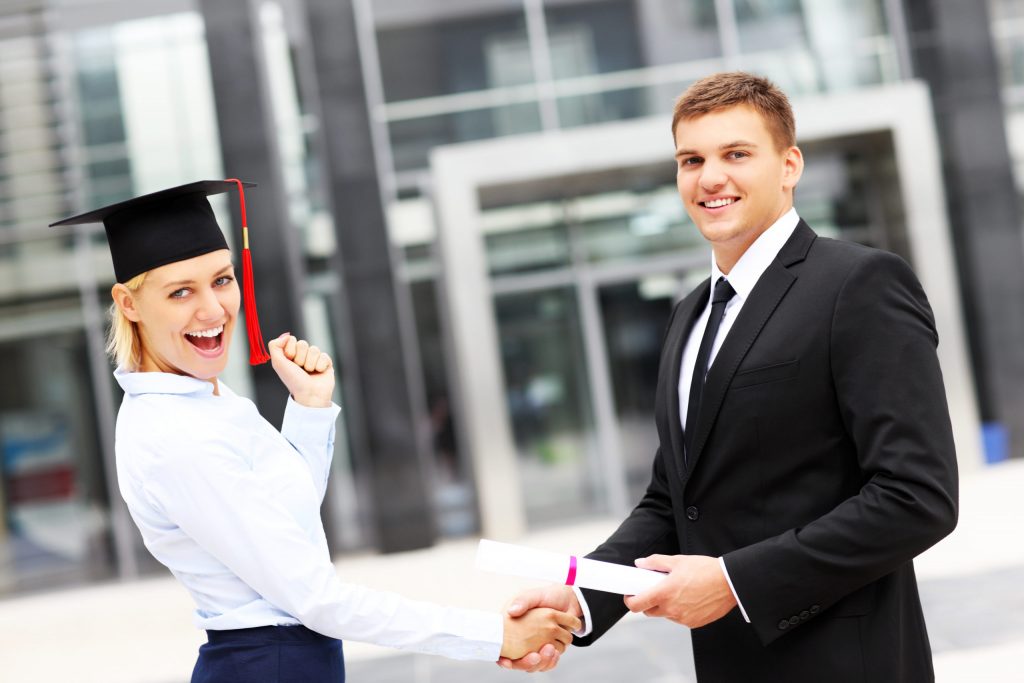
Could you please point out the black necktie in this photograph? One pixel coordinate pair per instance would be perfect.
(723, 292)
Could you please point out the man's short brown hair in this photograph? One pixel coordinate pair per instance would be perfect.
(729, 89)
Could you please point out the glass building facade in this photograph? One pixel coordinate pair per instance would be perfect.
(105, 99)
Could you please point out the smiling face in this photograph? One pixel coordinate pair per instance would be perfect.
(734, 180)
(185, 313)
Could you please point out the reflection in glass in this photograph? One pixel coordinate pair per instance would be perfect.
(549, 404)
(815, 46)
(851, 190)
(464, 51)
(453, 486)
(634, 316)
(639, 214)
(54, 504)
(528, 249)
(295, 137)
(412, 139)
(643, 223)
(593, 37)
(613, 105)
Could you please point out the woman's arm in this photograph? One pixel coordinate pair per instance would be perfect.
(309, 418)
(222, 505)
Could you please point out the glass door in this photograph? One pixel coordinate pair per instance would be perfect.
(549, 402)
(633, 319)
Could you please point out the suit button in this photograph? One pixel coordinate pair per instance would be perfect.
(805, 615)
(815, 609)
(783, 625)
(692, 513)
(794, 621)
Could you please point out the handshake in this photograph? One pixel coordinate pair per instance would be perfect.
(538, 626)
(690, 590)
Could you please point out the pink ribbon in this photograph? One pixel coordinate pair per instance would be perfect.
(571, 578)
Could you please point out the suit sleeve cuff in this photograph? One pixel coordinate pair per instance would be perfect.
(588, 623)
(721, 561)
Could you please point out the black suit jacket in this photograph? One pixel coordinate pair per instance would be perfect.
(823, 462)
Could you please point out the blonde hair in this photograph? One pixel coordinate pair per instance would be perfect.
(123, 343)
(723, 90)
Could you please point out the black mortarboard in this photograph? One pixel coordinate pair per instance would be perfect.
(174, 225)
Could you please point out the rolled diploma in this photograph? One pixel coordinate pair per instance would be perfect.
(515, 560)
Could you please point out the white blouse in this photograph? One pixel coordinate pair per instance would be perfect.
(232, 507)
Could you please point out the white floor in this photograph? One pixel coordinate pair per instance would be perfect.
(141, 632)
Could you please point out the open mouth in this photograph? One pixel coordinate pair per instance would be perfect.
(718, 203)
(207, 341)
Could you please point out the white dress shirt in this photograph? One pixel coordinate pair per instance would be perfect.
(743, 276)
(232, 507)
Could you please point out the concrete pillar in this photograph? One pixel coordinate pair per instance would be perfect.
(951, 49)
(392, 405)
(247, 139)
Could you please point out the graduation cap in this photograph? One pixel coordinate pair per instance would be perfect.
(174, 225)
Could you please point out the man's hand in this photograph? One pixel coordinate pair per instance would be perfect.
(307, 372)
(694, 593)
(556, 597)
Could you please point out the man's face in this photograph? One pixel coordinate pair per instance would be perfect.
(732, 178)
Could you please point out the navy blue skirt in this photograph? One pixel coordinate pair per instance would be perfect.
(269, 654)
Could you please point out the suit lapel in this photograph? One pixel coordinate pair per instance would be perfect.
(690, 309)
(757, 310)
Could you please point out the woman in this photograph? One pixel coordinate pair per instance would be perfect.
(225, 501)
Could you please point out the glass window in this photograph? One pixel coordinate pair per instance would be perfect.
(850, 189)
(296, 131)
(527, 237)
(145, 106)
(30, 164)
(624, 214)
(413, 138)
(593, 37)
(605, 36)
(1008, 34)
(54, 499)
(613, 105)
(814, 46)
(441, 50)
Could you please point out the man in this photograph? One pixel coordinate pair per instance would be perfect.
(795, 484)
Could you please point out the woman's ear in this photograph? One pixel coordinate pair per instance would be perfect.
(124, 299)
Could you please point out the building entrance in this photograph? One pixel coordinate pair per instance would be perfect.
(562, 265)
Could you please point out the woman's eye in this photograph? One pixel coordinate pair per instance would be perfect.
(223, 280)
(691, 161)
(737, 155)
(179, 293)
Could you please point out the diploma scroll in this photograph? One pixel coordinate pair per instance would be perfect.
(514, 560)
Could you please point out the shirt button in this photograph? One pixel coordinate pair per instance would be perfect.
(692, 513)
(783, 625)
(815, 609)
(805, 615)
(794, 621)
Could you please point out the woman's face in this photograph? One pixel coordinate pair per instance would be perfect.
(186, 312)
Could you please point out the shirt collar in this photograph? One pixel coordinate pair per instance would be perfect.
(758, 256)
(136, 383)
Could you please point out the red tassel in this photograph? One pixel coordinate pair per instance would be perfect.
(257, 349)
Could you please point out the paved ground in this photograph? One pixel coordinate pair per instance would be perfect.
(968, 616)
(972, 585)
